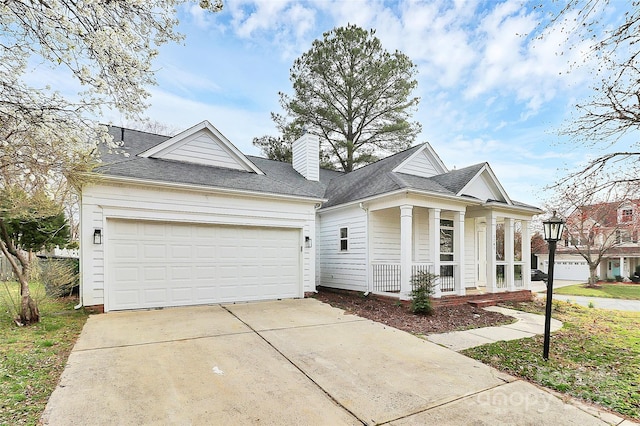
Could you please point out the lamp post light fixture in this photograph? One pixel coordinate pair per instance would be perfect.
(553, 229)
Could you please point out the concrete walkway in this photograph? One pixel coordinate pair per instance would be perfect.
(539, 289)
(601, 302)
(286, 362)
(528, 325)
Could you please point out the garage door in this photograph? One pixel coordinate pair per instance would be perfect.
(155, 264)
(572, 270)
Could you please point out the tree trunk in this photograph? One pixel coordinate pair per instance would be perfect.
(29, 312)
(29, 309)
(593, 277)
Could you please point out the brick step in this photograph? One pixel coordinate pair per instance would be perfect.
(483, 303)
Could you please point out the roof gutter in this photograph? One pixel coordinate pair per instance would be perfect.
(203, 188)
(531, 209)
(407, 192)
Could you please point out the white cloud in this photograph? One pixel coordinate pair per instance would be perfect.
(185, 81)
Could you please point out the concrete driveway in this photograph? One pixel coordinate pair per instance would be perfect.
(283, 362)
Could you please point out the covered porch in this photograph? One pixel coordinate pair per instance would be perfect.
(472, 249)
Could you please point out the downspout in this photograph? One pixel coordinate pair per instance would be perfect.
(366, 210)
(79, 305)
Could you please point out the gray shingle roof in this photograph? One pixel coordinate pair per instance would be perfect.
(378, 178)
(280, 178)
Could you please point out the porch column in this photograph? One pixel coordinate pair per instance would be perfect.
(622, 268)
(458, 252)
(526, 254)
(509, 235)
(434, 246)
(406, 229)
(491, 253)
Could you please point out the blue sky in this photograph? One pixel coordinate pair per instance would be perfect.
(490, 90)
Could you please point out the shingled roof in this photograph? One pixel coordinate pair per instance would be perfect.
(280, 178)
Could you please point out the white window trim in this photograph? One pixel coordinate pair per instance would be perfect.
(340, 239)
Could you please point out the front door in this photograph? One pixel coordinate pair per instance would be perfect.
(614, 267)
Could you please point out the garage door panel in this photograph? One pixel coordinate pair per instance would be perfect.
(152, 229)
(155, 296)
(182, 251)
(177, 273)
(182, 294)
(171, 264)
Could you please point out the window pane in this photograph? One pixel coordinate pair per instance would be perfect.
(343, 232)
(446, 240)
(446, 223)
(343, 245)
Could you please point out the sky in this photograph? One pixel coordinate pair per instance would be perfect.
(490, 89)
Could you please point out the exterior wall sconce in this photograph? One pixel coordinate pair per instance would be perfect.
(307, 242)
(97, 236)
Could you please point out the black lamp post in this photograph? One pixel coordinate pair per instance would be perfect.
(553, 228)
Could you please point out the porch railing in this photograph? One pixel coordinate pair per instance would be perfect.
(501, 275)
(501, 278)
(386, 276)
(518, 281)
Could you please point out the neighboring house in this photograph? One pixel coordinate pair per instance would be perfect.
(610, 229)
(191, 220)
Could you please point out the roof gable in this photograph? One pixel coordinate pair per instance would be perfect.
(202, 144)
(424, 162)
(485, 186)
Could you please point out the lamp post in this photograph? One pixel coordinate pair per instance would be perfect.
(553, 228)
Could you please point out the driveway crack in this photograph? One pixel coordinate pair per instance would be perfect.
(290, 361)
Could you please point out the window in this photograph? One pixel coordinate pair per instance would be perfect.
(446, 240)
(344, 239)
(627, 215)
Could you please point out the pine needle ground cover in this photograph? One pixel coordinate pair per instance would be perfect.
(594, 357)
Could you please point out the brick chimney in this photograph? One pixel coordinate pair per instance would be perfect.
(306, 156)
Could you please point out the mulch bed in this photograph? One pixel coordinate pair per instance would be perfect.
(395, 314)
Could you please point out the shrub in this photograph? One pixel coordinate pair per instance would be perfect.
(619, 278)
(423, 284)
(59, 276)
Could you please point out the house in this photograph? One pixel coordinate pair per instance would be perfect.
(189, 219)
(609, 229)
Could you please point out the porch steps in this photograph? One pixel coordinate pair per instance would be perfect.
(483, 303)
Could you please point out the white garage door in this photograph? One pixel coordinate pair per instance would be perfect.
(572, 270)
(155, 264)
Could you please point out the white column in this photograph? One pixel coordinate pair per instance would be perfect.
(509, 244)
(526, 254)
(458, 252)
(622, 267)
(406, 229)
(434, 245)
(491, 253)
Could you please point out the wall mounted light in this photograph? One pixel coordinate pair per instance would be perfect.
(307, 242)
(97, 236)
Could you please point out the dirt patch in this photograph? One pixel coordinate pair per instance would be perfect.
(398, 315)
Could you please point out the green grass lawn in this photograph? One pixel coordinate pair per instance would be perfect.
(594, 357)
(614, 291)
(32, 358)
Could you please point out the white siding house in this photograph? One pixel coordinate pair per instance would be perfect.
(189, 220)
